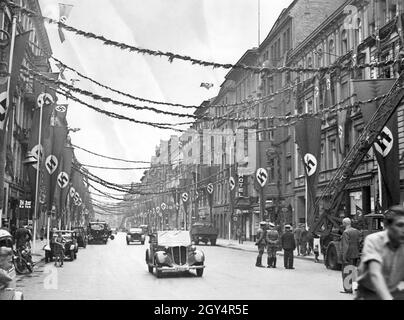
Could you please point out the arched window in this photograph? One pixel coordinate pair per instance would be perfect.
(331, 51)
(344, 42)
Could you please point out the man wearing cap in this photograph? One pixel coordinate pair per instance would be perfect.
(261, 243)
(288, 244)
(272, 239)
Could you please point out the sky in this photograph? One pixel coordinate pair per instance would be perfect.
(213, 30)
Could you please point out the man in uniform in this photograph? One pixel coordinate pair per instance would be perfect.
(272, 239)
(261, 242)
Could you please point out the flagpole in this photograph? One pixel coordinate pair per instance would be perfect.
(306, 202)
(379, 178)
(35, 222)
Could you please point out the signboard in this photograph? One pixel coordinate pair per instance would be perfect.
(25, 204)
(262, 176)
(241, 185)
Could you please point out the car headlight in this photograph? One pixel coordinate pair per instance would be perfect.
(161, 257)
(199, 256)
(72, 247)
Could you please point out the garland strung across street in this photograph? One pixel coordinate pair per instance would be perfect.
(106, 157)
(172, 56)
(242, 103)
(321, 112)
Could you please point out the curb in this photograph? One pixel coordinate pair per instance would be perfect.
(278, 253)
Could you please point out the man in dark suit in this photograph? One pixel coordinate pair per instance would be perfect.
(350, 251)
(288, 244)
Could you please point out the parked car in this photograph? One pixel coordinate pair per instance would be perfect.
(82, 238)
(69, 241)
(172, 251)
(7, 270)
(135, 235)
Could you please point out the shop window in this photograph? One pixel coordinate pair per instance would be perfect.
(331, 51)
(344, 42)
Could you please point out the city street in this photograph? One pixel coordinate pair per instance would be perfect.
(118, 271)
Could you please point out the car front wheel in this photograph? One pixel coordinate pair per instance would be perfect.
(199, 272)
(71, 255)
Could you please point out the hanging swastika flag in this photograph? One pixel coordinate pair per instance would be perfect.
(386, 145)
(262, 176)
(308, 139)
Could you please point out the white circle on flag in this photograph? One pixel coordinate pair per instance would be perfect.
(310, 162)
(384, 142)
(63, 179)
(210, 188)
(44, 99)
(262, 176)
(184, 197)
(232, 183)
(163, 206)
(51, 164)
(61, 108)
(72, 192)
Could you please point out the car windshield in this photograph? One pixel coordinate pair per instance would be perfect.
(173, 238)
(135, 230)
(67, 235)
(97, 226)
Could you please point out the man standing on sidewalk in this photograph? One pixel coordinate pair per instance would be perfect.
(350, 252)
(261, 243)
(272, 239)
(298, 234)
(288, 245)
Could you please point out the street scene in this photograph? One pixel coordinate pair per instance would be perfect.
(202, 150)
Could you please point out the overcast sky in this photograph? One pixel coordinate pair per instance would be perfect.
(213, 30)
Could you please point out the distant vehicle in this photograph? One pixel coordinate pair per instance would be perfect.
(204, 232)
(145, 228)
(172, 251)
(99, 231)
(82, 238)
(7, 273)
(135, 235)
(114, 230)
(69, 242)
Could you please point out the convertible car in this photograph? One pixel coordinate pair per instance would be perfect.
(172, 251)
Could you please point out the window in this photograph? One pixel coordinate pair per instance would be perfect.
(270, 85)
(332, 159)
(245, 142)
(309, 62)
(331, 51)
(322, 157)
(271, 173)
(344, 42)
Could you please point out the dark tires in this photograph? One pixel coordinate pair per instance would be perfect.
(142, 242)
(159, 273)
(213, 242)
(199, 272)
(127, 242)
(150, 268)
(196, 242)
(71, 255)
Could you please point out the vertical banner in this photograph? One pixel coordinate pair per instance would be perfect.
(308, 139)
(386, 146)
(343, 125)
(64, 13)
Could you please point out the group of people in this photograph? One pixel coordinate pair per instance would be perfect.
(268, 238)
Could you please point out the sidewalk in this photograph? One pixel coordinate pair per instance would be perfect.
(250, 246)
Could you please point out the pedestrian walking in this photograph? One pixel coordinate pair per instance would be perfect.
(261, 243)
(297, 235)
(382, 261)
(316, 252)
(350, 253)
(272, 239)
(304, 241)
(42, 233)
(239, 236)
(288, 244)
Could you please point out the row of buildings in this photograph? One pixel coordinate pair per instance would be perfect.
(18, 194)
(307, 34)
